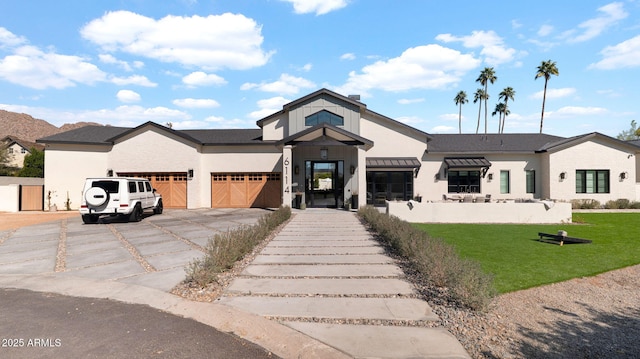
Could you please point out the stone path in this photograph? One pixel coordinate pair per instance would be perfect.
(325, 276)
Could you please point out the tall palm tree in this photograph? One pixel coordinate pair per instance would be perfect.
(479, 96)
(488, 75)
(460, 99)
(507, 94)
(546, 69)
(500, 108)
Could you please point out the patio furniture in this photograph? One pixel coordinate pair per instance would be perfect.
(467, 199)
(487, 198)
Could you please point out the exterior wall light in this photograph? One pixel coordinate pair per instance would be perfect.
(324, 153)
(296, 169)
(623, 175)
(490, 176)
(352, 169)
(109, 172)
(563, 175)
(190, 173)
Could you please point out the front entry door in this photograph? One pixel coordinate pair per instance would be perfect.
(324, 183)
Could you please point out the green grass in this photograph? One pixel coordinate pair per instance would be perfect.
(518, 261)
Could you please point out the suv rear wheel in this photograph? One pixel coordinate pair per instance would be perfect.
(136, 214)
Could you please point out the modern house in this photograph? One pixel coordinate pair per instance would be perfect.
(326, 148)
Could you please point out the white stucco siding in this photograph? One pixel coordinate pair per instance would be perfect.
(16, 156)
(67, 166)
(592, 155)
(151, 151)
(390, 140)
(274, 129)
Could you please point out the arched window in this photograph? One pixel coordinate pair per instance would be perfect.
(324, 116)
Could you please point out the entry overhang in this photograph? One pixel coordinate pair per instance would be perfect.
(325, 133)
(397, 163)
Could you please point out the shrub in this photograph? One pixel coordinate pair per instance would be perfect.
(433, 259)
(585, 204)
(225, 249)
(634, 205)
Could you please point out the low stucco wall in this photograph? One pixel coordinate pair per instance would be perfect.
(9, 195)
(445, 212)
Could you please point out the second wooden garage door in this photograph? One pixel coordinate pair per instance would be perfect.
(245, 190)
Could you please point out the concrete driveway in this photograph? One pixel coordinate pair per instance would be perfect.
(151, 253)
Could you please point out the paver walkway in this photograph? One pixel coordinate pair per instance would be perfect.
(325, 276)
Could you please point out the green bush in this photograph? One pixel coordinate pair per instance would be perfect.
(634, 205)
(433, 259)
(225, 249)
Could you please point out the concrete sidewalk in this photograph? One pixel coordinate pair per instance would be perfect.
(324, 276)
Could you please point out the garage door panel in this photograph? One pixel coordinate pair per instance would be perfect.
(244, 190)
(172, 187)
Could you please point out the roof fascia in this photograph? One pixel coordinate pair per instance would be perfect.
(157, 126)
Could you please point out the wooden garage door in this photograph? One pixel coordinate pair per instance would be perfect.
(244, 190)
(172, 187)
(31, 198)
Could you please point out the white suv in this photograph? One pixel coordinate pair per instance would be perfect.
(118, 196)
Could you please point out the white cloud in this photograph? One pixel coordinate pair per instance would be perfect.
(31, 67)
(554, 93)
(128, 96)
(408, 101)
(545, 30)
(268, 106)
(217, 41)
(423, 67)
(200, 78)
(493, 48)
(133, 80)
(320, 7)
(110, 59)
(196, 103)
(610, 15)
(623, 55)
(450, 116)
(444, 129)
(307, 67)
(579, 111)
(348, 56)
(515, 24)
(7, 38)
(286, 84)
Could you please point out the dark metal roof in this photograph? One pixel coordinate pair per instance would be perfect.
(466, 162)
(393, 162)
(323, 131)
(27, 145)
(93, 135)
(480, 143)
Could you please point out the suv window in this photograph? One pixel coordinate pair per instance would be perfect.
(140, 186)
(108, 186)
(148, 185)
(132, 187)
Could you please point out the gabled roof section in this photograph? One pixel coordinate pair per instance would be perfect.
(328, 133)
(320, 92)
(107, 135)
(27, 145)
(324, 91)
(635, 142)
(572, 141)
(490, 143)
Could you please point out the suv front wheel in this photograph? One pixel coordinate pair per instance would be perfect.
(136, 215)
(158, 209)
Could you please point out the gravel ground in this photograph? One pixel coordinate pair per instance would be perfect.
(594, 317)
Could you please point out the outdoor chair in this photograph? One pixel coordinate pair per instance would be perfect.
(467, 199)
(487, 198)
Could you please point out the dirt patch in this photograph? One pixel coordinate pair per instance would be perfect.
(11, 220)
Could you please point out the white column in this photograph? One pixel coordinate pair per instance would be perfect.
(361, 171)
(287, 164)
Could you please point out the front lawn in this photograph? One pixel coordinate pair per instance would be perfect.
(513, 255)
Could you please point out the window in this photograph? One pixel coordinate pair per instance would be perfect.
(140, 186)
(504, 182)
(531, 181)
(389, 185)
(23, 150)
(463, 181)
(324, 116)
(132, 187)
(592, 181)
(108, 186)
(10, 149)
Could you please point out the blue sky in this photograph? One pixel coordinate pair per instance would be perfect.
(226, 64)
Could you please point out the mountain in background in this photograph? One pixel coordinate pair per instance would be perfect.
(27, 128)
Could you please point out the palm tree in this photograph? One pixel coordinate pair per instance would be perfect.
(460, 99)
(486, 76)
(478, 97)
(500, 107)
(546, 69)
(507, 94)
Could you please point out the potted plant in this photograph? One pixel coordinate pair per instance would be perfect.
(354, 200)
(417, 198)
(298, 200)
